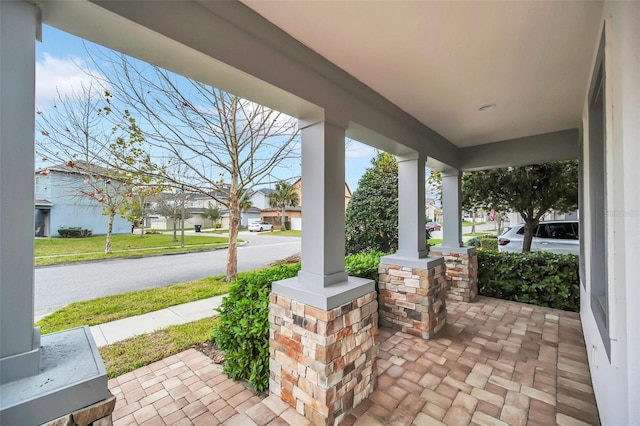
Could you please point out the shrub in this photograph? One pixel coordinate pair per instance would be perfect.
(243, 327)
(475, 242)
(538, 278)
(364, 265)
(242, 330)
(74, 232)
(489, 243)
(287, 225)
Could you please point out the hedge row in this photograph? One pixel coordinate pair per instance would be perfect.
(74, 232)
(538, 278)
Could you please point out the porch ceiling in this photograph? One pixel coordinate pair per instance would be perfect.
(407, 76)
(441, 61)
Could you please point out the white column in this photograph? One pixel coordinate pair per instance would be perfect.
(323, 282)
(411, 217)
(19, 341)
(323, 243)
(452, 208)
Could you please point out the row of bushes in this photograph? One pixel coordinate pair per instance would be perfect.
(485, 242)
(539, 278)
(74, 232)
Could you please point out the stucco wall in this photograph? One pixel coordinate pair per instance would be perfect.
(616, 376)
(69, 209)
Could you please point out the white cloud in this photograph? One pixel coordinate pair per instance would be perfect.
(57, 75)
(355, 149)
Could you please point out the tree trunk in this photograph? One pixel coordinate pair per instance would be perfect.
(234, 223)
(175, 230)
(282, 219)
(473, 221)
(142, 228)
(530, 226)
(107, 246)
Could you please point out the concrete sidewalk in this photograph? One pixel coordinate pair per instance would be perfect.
(111, 332)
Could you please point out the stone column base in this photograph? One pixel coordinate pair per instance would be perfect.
(323, 363)
(462, 271)
(98, 414)
(412, 295)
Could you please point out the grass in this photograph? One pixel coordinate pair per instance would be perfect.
(61, 250)
(480, 234)
(465, 223)
(434, 241)
(289, 233)
(127, 355)
(111, 308)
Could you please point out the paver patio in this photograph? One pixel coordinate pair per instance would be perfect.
(496, 362)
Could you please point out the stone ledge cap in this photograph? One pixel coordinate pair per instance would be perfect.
(459, 250)
(409, 262)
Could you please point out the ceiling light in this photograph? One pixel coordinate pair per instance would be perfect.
(487, 107)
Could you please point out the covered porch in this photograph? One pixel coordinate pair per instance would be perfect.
(495, 363)
(455, 86)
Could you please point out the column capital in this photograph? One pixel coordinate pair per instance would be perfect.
(332, 119)
(411, 156)
(450, 172)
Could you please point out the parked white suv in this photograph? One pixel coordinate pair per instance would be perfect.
(553, 236)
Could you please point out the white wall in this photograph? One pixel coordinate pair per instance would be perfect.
(616, 378)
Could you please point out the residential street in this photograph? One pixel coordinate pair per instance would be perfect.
(59, 285)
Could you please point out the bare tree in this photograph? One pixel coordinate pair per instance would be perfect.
(171, 205)
(225, 144)
(76, 136)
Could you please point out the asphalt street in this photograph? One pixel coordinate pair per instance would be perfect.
(57, 286)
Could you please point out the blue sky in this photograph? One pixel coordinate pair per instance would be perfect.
(62, 66)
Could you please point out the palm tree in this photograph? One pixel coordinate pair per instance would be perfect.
(284, 196)
(244, 205)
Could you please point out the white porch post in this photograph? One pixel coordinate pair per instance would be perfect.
(19, 341)
(323, 244)
(37, 386)
(462, 262)
(411, 216)
(323, 282)
(452, 208)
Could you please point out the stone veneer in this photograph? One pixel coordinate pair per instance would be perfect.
(323, 363)
(462, 272)
(412, 298)
(98, 414)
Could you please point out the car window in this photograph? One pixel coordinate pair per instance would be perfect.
(520, 231)
(559, 230)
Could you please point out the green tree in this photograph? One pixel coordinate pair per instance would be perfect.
(285, 195)
(530, 191)
(212, 213)
(372, 213)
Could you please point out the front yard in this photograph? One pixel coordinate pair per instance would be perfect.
(61, 250)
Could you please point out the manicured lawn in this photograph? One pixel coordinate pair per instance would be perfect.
(111, 308)
(480, 234)
(289, 233)
(465, 223)
(434, 241)
(121, 357)
(59, 250)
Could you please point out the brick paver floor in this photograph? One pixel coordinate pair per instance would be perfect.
(494, 363)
